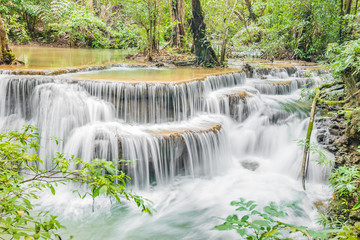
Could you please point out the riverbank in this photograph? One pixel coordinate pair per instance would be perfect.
(338, 132)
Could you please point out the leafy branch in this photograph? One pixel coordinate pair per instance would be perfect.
(22, 179)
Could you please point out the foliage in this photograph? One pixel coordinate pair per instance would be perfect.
(253, 224)
(345, 57)
(348, 112)
(302, 28)
(273, 29)
(77, 23)
(22, 179)
(320, 157)
(345, 182)
(66, 20)
(345, 179)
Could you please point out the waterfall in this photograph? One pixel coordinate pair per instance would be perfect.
(215, 138)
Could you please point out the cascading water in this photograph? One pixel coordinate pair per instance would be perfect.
(196, 146)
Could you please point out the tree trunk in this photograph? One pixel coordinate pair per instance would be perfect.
(6, 55)
(341, 20)
(348, 11)
(177, 10)
(243, 19)
(225, 36)
(205, 54)
(348, 7)
(150, 42)
(252, 15)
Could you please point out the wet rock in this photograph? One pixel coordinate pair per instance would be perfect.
(335, 132)
(321, 120)
(353, 129)
(332, 148)
(334, 127)
(343, 141)
(248, 69)
(321, 138)
(250, 164)
(321, 207)
(159, 64)
(321, 131)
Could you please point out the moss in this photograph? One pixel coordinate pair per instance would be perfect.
(12, 56)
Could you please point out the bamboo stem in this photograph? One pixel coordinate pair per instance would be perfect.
(306, 155)
(307, 140)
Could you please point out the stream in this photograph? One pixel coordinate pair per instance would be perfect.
(196, 145)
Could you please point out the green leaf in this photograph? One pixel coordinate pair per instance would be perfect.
(27, 203)
(103, 190)
(241, 231)
(52, 189)
(96, 192)
(357, 206)
(262, 223)
(224, 227)
(252, 207)
(245, 218)
(241, 209)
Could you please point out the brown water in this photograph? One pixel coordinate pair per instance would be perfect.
(43, 58)
(152, 74)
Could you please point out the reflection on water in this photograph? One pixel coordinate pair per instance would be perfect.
(152, 74)
(49, 58)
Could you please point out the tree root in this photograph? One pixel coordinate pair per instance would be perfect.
(342, 102)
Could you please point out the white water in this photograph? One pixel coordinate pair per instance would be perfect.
(190, 176)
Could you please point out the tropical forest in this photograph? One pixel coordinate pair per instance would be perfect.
(179, 119)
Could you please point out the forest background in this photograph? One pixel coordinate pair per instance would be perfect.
(272, 29)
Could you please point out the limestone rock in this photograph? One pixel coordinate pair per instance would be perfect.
(250, 164)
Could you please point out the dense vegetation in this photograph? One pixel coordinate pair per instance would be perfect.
(273, 29)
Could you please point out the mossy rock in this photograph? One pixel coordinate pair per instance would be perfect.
(12, 56)
(353, 128)
(9, 57)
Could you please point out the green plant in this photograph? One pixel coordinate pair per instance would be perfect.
(22, 179)
(345, 182)
(348, 112)
(320, 157)
(307, 93)
(345, 179)
(344, 57)
(254, 225)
